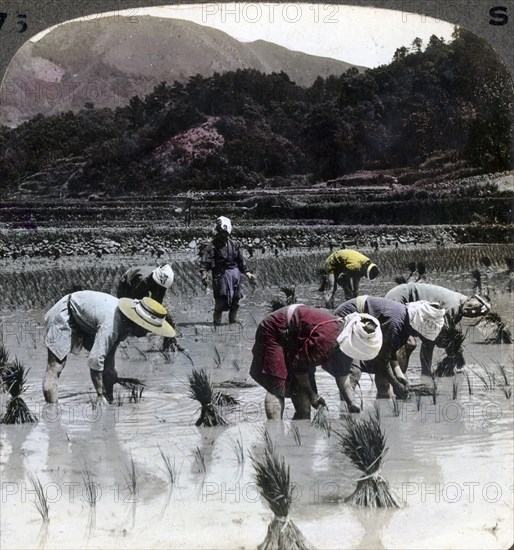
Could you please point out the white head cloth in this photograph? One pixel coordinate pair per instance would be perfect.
(355, 342)
(224, 223)
(163, 276)
(426, 319)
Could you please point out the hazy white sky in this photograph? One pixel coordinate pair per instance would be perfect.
(362, 36)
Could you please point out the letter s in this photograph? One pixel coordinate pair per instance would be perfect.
(499, 16)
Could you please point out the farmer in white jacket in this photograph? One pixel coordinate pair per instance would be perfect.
(455, 304)
(98, 322)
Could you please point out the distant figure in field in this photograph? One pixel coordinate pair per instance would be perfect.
(346, 267)
(456, 306)
(223, 256)
(148, 281)
(188, 211)
(98, 322)
(292, 341)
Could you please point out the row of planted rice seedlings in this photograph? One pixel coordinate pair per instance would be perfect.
(40, 288)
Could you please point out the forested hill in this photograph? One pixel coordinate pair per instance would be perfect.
(245, 128)
(115, 58)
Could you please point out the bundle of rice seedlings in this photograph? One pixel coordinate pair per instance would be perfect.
(273, 480)
(451, 340)
(365, 444)
(321, 420)
(14, 378)
(4, 358)
(500, 332)
(200, 389)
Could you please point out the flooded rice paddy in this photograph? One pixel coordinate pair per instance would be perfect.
(450, 462)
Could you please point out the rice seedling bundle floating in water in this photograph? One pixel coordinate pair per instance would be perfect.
(13, 379)
(365, 445)
(201, 390)
(273, 480)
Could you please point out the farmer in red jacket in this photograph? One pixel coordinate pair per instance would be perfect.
(292, 341)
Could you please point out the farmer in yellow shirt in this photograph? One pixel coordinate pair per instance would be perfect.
(347, 267)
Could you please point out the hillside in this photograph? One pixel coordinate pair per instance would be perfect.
(107, 61)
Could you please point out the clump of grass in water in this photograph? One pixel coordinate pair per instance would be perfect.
(505, 384)
(131, 480)
(40, 500)
(468, 381)
(365, 444)
(90, 494)
(200, 460)
(170, 468)
(217, 357)
(236, 365)
(132, 485)
(395, 407)
(500, 331)
(273, 479)
(200, 389)
(238, 447)
(13, 379)
(451, 340)
(455, 388)
(136, 394)
(269, 445)
(488, 378)
(296, 435)
(321, 420)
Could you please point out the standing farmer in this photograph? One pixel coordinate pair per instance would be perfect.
(224, 257)
(346, 268)
(398, 322)
(97, 322)
(292, 341)
(456, 305)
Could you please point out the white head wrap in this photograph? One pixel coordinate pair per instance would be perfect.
(223, 223)
(426, 319)
(355, 342)
(163, 276)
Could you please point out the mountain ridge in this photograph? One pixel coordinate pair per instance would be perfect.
(106, 62)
